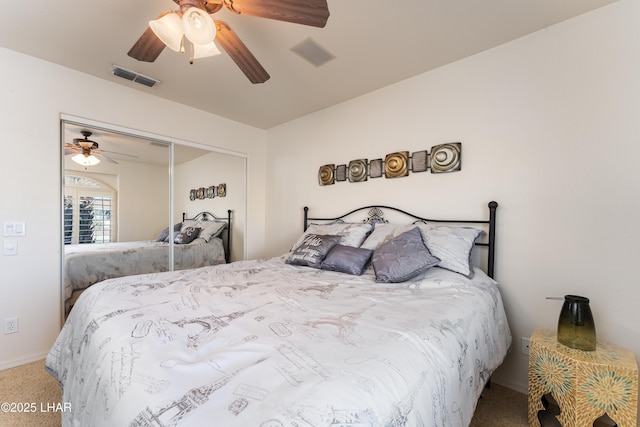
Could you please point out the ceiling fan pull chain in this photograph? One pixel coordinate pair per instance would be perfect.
(191, 51)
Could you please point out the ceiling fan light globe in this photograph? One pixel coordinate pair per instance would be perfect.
(198, 26)
(205, 50)
(83, 160)
(169, 30)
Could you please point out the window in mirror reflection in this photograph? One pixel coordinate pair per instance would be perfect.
(89, 211)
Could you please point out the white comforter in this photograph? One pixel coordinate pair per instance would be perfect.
(264, 343)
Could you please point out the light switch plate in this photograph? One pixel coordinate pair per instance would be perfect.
(14, 229)
(10, 247)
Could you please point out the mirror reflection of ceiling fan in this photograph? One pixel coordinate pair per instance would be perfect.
(87, 152)
(192, 29)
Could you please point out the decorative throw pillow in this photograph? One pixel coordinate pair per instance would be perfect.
(453, 245)
(210, 229)
(347, 259)
(164, 234)
(187, 235)
(313, 250)
(402, 258)
(351, 234)
(383, 232)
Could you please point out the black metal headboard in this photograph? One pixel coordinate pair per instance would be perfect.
(208, 216)
(375, 213)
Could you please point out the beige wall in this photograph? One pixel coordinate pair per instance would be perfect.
(34, 95)
(214, 169)
(549, 127)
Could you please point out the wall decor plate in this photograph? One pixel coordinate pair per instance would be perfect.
(201, 193)
(419, 161)
(325, 175)
(442, 158)
(357, 171)
(375, 168)
(211, 192)
(446, 157)
(396, 164)
(222, 190)
(193, 194)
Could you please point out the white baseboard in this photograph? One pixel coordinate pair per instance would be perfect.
(22, 361)
(513, 385)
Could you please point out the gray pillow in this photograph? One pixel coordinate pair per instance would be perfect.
(312, 250)
(347, 259)
(187, 235)
(350, 234)
(402, 258)
(164, 234)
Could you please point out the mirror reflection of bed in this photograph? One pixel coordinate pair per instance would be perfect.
(116, 210)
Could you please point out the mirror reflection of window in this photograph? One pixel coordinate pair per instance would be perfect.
(90, 213)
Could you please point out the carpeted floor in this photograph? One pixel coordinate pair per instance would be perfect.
(32, 393)
(30, 387)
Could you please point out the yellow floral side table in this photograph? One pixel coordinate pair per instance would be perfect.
(585, 384)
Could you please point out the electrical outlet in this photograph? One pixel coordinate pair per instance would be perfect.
(524, 346)
(10, 325)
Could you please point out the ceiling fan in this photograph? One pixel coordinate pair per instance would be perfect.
(87, 152)
(192, 29)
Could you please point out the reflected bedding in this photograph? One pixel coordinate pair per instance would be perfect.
(87, 264)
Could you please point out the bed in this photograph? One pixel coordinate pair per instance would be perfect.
(293, 341)
(199, 241)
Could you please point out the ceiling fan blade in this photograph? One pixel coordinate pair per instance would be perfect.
(70, 149)
(117, 153)
(148, 47)
(306, 12)
(103, 157)
(240, 54)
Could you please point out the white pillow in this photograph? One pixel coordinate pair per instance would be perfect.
(351, 234)
(453, 245)
(211, 229)
(383, 233)
(188, 223)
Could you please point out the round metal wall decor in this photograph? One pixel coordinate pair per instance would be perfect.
(445, 158)
(325, 175)
(358, 170)
(211, 192)
(208, 192)
(442, 158)
(396, 164)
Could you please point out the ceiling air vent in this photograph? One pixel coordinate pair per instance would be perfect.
(117, 70)
(311, 51)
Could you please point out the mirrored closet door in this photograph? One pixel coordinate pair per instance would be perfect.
(123, 188)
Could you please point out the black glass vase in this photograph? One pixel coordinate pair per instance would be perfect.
(576, 328)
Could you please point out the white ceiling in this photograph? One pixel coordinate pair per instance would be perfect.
(376, 43)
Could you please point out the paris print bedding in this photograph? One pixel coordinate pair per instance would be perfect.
(266, 343)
